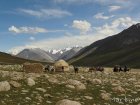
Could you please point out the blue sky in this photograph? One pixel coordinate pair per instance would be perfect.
(56, 24)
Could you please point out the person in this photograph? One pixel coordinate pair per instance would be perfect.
(120, 69)
(62, 68)
(76, 69)
(91, 69)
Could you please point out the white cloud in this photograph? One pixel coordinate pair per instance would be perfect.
(46, 13)
(102, 2)
(114, 8)
(123, 22)
(101, 16)
(116, 26)
(32, 38)
(27, 30)
(83, 26)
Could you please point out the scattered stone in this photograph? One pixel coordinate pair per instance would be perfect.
(49, 102)
(70, 86)
(25, 91)
(67, 102)
(137, 86)
(88, 97)
(80, 86)
(30, 82)
(48, 96)
(96, 81)
(27, 98)
(15, 84)
(53, 80)
(105, 96)
(118, 89)
(4, 86)
(41, 89)
(77, 84)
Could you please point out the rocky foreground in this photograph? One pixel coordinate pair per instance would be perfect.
(108, 88)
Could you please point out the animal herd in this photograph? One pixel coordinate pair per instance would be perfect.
(36, 67)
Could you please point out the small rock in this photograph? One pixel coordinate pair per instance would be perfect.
(41, 89)
(96, 81)
(118, 89)
(105, 96)
(49, 102)
(48, 95)
(80, 86)
(67, 102)
(30, 82)
(70, 86)
(53, 80)
(27, 98)
(15, 84)
(137, 86)
(88, 97)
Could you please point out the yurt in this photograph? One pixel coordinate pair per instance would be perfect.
(61, 66)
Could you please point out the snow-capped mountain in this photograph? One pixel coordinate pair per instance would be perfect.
(65, 53)
(35, 54)
(50, 55)
(69, 53)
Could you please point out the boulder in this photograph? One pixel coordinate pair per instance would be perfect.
(77, 84)
(118, 89)
(53, 80)
(4, 86)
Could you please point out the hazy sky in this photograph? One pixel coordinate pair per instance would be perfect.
(55, 24)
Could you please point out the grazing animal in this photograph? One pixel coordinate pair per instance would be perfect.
(126, 69)
(52, 69)
(120, 69)
(76, 69)
(92, 69)
(47, 68)
(116, 68)
(101, 69)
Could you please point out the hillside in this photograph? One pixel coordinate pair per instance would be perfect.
(122, 49)
(9, 59)
(35, 54)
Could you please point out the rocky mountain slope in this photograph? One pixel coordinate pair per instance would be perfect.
(123, 49)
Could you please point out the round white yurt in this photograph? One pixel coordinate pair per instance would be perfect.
(61, 66)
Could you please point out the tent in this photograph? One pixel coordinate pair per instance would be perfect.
(61, 66)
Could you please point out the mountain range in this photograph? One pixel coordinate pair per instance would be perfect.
(122, 49)
(38, 54)
(10, 59)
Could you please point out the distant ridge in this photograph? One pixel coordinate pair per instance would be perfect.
(35, 54)
(10, 59)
